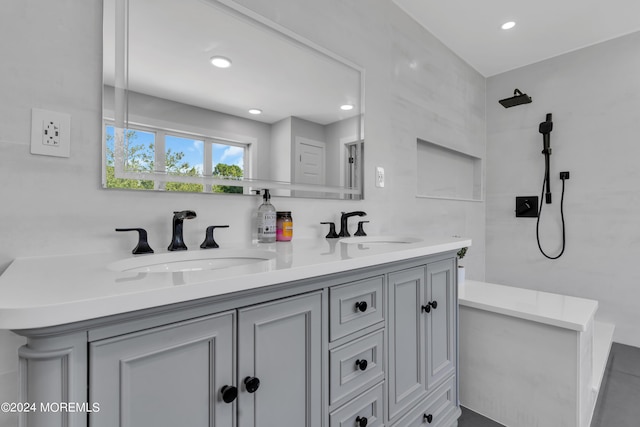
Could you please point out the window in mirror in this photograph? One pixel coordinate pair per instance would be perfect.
(228, 161)
(138, 156)
(172, 154)
(183, 157)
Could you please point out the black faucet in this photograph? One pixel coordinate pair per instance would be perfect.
(177, 241)
(344, 232)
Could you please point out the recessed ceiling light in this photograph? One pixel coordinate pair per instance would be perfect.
(346, 107)
(508, 25)
(255, 111)
(221, 61)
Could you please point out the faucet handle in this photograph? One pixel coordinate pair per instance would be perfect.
(360, 231)
(143, 246)
(332, 230)
(209, 242)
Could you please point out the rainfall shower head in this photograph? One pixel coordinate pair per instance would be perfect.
(518, 98)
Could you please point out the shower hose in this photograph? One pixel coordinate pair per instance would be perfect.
(564, 237)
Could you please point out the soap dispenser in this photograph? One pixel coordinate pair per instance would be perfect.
(266, 220)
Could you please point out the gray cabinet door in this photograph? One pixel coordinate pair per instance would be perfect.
(166, 376)
(279, 343)
(440, 322)
(407, 339)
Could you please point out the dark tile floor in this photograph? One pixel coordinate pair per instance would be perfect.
(618, 402)
(473, 419)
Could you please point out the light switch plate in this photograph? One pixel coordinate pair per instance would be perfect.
(50, 133)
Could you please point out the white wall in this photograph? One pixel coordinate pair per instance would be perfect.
(594, 96)
(51, 59)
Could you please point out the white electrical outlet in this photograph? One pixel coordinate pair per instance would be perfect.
(379, 176)
(50, 133)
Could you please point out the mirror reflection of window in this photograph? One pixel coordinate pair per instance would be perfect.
(172, 154)
(228, 163)
(139, 147)
(184, 157)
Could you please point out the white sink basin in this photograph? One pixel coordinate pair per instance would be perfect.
(379, 240)
(197, 260)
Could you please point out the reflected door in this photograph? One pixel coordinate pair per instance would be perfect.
(309, 165)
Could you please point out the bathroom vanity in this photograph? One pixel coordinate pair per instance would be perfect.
(316, 333)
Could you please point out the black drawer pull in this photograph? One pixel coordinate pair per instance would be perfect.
(361, 364)
(362, 421)
(361, 306)
(429, 418)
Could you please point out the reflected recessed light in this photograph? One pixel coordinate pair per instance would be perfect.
(508, 25)
(221, 61)
(255, 111)
(346, 107)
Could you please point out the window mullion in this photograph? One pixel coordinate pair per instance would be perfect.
(160, 158)
(207, 164)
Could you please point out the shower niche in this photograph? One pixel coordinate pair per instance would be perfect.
(446, 173)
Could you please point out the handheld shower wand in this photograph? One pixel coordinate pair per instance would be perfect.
(545, 129)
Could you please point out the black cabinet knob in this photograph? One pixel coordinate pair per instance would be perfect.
(361, 364)
(229, 393)
(361, 306)
(362, 421)
(427, 308)
(251, 384)
(428, 417)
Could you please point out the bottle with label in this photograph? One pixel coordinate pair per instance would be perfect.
(266, 220)
(284, 226)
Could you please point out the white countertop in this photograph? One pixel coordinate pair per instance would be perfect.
(47, 291)
(552, 309)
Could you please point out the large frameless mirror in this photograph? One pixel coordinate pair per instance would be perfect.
(200, 97)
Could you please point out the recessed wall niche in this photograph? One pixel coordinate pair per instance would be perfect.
(445, 173)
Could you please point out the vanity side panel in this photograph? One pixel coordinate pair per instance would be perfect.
(52, 373)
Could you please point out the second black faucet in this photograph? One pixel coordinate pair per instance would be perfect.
(344, 229)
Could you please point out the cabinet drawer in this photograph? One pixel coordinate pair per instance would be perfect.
(355, 365)
(435, 411)
(367, 405)
(355, 306)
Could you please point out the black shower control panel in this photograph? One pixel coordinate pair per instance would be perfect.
(527, 207)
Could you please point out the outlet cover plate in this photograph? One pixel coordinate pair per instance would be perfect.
(50, 133)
